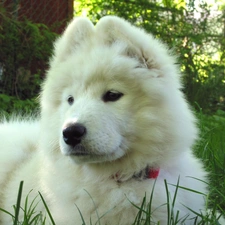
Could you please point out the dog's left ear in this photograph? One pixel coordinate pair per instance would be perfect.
(77, 32)
(144, 47)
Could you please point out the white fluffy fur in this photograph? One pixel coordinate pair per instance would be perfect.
(150, 125)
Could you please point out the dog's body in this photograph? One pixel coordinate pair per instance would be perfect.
(114, 126)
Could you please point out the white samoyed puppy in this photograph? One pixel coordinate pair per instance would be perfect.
(114, 128)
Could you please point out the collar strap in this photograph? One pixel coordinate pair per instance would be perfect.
(146, 173)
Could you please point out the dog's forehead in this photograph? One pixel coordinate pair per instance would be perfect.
(102, 64)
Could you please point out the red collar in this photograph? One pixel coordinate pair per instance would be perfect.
(153, 173)
(146, 173)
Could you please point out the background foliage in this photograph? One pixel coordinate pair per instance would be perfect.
(24, 53)
(193, 29)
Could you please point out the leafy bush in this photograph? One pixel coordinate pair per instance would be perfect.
(9, 104)
(24, 54)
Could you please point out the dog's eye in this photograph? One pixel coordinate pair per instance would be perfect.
(112, 96)
(70, 100)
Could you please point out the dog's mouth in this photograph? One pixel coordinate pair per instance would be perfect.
(78, 150)
(80, 154)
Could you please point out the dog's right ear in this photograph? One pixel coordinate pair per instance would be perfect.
(78, 31)
(150, 52)
(139, 44)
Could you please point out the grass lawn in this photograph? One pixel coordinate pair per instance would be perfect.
(210, 148)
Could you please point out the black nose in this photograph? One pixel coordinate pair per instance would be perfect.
(73, 134)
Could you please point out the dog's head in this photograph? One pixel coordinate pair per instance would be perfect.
(113, 92)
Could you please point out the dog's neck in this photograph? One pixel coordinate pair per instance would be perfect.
(147, 173)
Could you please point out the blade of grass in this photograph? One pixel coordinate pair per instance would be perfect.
(3, 210)
(82, 218)
(47, 209)
(168, 202)
(96, 209)
(17, 208)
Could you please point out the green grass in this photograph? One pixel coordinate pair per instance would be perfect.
(143, 217)
(30, 215)
(210, 148)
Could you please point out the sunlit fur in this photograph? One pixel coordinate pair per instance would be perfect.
(151, 124)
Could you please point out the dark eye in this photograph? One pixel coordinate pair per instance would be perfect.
(112, 96)
(70, 100)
